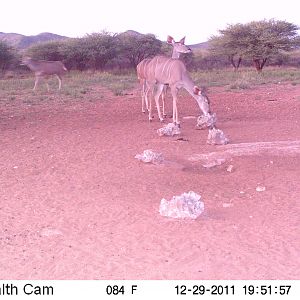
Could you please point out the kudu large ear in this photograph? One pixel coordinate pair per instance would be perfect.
(170, 40)
(197, 91)
(182, 41)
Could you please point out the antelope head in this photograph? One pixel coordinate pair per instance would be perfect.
(180, 46)
(202, 100)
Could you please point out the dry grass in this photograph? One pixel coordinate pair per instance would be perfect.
(81, 85)
(76, 85)
(246, 77)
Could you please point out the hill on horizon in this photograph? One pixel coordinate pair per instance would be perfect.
(20, 41)
(198, 46)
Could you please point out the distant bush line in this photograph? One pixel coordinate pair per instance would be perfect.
(118, 52)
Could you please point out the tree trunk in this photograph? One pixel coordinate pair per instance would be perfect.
(259, 64)
(263, 62)
(235, 64)
(238, 62)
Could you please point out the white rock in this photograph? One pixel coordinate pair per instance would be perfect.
(260, 188)
(216, 137)
(185, 206)
(169, 130)
(149, 156)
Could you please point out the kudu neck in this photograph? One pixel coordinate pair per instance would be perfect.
(189, 84)
(175, 54)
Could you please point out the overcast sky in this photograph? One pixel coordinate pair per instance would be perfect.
(195, 19)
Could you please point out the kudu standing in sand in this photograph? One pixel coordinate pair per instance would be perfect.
(142, 70)
(43, 68)
(162, 70)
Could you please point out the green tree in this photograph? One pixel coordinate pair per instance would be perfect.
(101, 48)
(75, 55)
(7, 56)
(46, 50)
(136, 47)
(93, 51)
(229, 43)
(257, 40)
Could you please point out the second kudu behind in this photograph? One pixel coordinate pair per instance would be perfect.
(43, 68)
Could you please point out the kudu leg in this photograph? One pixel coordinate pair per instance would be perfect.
(59, 81)
(37, 79)
(158, 92)
(145, 91)
(46, 78)
(151, 89)
(174, 92)
(163, 97)
(143, 97)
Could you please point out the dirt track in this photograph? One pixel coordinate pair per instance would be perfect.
(75, 204)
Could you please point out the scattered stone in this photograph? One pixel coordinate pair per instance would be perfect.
(148, 156)
(214, 163)
(260, 188)
(229, 168)
(206, 121)
(169, 130)
(185, 206)
(216, 137)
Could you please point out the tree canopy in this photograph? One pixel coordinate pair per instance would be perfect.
(257, 40)
(7, 56)
(258, 43)
(46, 50)
(95, 51)
(135, 48)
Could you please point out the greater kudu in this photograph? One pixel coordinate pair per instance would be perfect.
(162, 70)
(43, 68)
(178, 48)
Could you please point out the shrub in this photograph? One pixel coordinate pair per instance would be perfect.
(8, 56)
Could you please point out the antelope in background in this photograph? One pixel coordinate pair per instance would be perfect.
(142, 70)
(43, 68)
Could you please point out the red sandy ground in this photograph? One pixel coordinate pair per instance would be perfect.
(76, 204)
